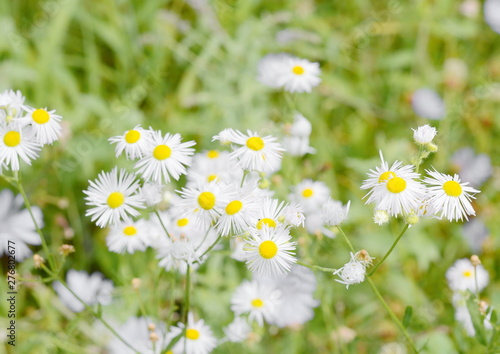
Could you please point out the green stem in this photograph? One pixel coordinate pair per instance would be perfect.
(346, 239)
(245, 173)
(185, 310)
(211, 247)
(162, 224)
(475, 282)
(45, 247)
(322, 269)
(390, 250)
(392, 314)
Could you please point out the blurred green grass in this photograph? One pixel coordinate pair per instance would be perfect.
(108, 65)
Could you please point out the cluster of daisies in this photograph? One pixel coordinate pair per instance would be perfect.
(24, 130)
(467, 277)
(398, 190)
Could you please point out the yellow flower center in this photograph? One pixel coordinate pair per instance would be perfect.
(298, 70)
(132, 136)
(206, 200)
(182, 222)
(396, 185)
(452, 188)
(234, 207)
(115, 199)
(192, 334)
(130, 231)
(213, 154)
(385, 176)
(308, 192)
(266, 221)
(268, 249)
(12, 139)
(162, 152)
(255, 143)
(257, 303)
(211, 178)
(467, 273)
(40, 116)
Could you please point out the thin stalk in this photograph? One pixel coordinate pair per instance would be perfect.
(45, 247)
(346, 239)
(390, 250)
(211, 247)
(475, 282)
(322, 269)
(185, 310)
(392, 314)
(245, 173)
(162, 224)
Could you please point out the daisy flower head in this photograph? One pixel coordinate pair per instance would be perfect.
(258, 299)
(134, 142)
(237, 331)
(310, 194)
(301, 126)
(213, 165)
(165, 157)
(46, 125)
(204, 201)
(293, 214)
(11, 105)
(353, 272)
(254, 153)
(269, 214)
(492, 14)
(92, 289)
(298, 75)
(462, 275)
(270, 68)
(449, 196)
(238, 213)
(17, 225)
(270, 251)
(334, 213)
(113, 197)
(197, 339)
(427, 104)
(129, 237)
(16, 143)
(381, 173)
(424, 135)
(176, 254)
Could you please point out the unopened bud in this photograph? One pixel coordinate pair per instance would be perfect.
(475, 260)
(412, 219)
(264, 184)
(65, 250)
(431, 147)
(262, 174)
(153, 337)
(483, 307)
(38, 260)
(151, 327)
(136, 283)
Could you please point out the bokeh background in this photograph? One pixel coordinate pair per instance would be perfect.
(190, 67)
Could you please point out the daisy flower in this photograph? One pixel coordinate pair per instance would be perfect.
(293, 214)
(296, 305)
(136, 332)
(204, 201)
(314, 224)
(11, 105)
(334, 213)
(135, 142)
(381, 174)
(353, 272)
(449, 196)
(152, 193)
(256, 298)
(17, 142)
(427, 104)
(269, 69)
(91, 289)
(213, 165)
(423, 135)
(113, 197)
(238, 213)
(198, 337)
(46, 125)
(381, 217)
(165, 157)
(270, 251)
(269, 214)
(17, 225)
(237, 331)
(128, 237)
(310, 194)
(254, 153)
(461, 276)
(298, 75)
(297, 146)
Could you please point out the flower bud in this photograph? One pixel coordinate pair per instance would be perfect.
(65, 250)
(475, 260)
(136, 283)
(38, 260)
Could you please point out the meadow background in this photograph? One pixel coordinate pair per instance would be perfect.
(190, 67)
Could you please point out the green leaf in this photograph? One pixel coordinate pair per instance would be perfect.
(493, 317)
(407, 316)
